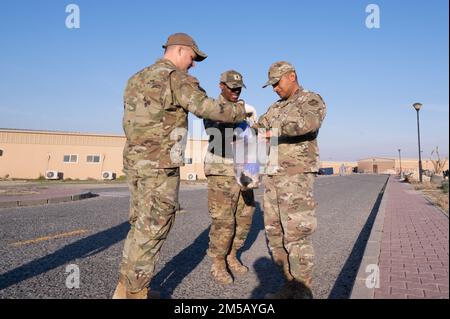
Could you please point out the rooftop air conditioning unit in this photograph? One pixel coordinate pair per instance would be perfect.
(52, 175)
(107, 175)
(191, 177)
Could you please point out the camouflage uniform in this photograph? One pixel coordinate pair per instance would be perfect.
(289, 206)
(231, 208)
(157, 101)
(231, 211)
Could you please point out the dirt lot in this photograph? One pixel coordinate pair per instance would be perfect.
(435, 194)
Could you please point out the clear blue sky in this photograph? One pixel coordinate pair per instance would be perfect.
(55, 78)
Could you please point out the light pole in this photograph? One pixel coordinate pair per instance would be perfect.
(400, 158)
(417, 107)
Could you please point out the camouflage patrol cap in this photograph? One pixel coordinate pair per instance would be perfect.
(277, 70)
(187, 40)
(232, 79)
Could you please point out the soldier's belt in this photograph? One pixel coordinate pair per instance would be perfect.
(294, 139)
(170, 171)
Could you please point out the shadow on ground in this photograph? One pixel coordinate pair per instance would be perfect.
(270, 277)
(82, 248)
(180, 266)
(173, 273)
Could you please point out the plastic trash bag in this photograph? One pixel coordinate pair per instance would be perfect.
(245, 153)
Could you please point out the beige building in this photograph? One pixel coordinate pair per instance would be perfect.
(194, 156)
(379, 165)
(28, 154)
(32, 154)
(376, 165)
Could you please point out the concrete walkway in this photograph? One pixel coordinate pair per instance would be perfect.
(409, 242)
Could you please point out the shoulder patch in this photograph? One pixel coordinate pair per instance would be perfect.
(313, 102)
(314, 99)
(180, 79)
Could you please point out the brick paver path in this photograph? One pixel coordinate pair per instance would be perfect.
(414, 247)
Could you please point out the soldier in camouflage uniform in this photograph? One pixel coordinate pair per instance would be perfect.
(157, 100)
(289, 206)
(231, 208)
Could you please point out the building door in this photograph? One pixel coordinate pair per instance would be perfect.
(375, 169)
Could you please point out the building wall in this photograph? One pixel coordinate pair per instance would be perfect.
(410, 165)
(29, 154)
(392, 166)
(383, 165)
(195, 151)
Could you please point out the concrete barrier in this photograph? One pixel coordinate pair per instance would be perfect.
(55, 200)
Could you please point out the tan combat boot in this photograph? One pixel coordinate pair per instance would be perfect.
(142, 294)
(120, 292)
(235, 265)
(219, 271)
(280, 257)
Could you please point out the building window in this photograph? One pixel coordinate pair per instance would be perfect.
(1, 152)
(187, 160)
(70, 158)
(93, 159)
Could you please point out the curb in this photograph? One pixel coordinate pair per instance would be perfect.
(35, 202)
(435, 205)
(371, 253)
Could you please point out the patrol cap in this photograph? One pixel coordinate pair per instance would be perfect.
(277, 70)
(232, 79)
(187, 40)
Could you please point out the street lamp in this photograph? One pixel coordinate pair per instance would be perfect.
(417, 107)
(400, 157)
